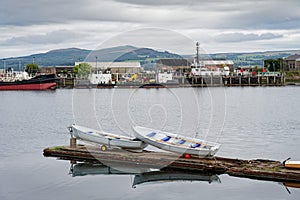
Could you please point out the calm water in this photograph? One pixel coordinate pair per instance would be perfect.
(250, 122)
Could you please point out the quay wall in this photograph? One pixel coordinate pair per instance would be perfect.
(192, 81)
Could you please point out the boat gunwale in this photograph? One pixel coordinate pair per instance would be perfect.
(101, 139)
(212, 146)
(104, 134)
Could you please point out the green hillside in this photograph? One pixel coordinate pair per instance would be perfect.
(127, 53)
(68, 57)
(254, 58)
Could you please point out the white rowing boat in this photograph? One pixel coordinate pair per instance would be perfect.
(108, 139)
(176, 143)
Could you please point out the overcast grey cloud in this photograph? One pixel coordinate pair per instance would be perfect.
(40, 25)
(240, 37)
(48, 38)
(190, 13)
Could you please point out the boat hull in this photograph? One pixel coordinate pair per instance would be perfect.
(103, 138)
(43, 82)
(142, 132)
(105, 86)
(152, 85)
(32, 86)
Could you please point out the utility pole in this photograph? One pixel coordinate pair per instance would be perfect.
(96, 64)
(4, 64)
(197, 56)
(19, 65)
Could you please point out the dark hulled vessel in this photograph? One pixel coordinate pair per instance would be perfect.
(40, 82)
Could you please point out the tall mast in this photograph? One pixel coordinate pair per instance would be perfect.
(197, 55)
(96, 65)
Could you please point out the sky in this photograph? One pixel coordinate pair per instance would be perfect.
(37, 26)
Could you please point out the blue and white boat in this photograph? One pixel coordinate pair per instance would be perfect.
(176, 143)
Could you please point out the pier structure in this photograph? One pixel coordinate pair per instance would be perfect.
(231, 80)
(260, 169)
(196, 81)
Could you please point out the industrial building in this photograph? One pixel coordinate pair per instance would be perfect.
(292, 63)
(115, 67)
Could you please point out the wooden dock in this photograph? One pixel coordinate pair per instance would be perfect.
(191, 81)
(232, 80)
(256, 169)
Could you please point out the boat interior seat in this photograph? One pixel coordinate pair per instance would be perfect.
(181, 141)
(195, 145)
(151, 134)
(167, 138)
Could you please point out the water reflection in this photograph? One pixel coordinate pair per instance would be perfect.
(170, 176)
(288, 185)
(85, 168)
(142, 175)
(291, 184)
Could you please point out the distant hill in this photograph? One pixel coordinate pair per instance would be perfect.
(146, 56)
(128, 53)
(51, 58)
(247, 58)
(253, 58)
(69, 56)
(109, 54)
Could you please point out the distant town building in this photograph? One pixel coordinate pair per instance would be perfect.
(48, 70)
(292, 62)
(64, 71)
(174, 65)
(116, 67)
(164, 77)
(212, 64)
(184, 65)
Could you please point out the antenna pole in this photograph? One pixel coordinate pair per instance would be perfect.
(197, 56)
